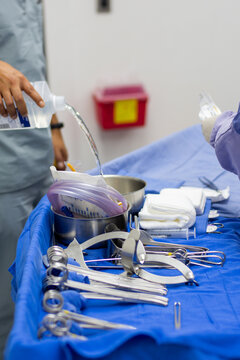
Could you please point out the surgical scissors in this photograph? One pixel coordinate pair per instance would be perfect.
(57, 325)
(58, 321)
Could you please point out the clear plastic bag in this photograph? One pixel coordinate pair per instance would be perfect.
(81, 199)
(77, 176)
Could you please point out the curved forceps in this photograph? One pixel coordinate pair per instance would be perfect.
(203, 257)
(200, 258)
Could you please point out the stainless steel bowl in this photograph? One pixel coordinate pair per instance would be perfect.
(67, 228)
(133, 189)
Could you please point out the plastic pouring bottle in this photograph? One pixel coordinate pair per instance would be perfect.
(208, 114)
(37, 117)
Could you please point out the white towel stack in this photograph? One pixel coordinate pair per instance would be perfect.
(196, 196)
(171, 209)
(217, 195)
(213, 195)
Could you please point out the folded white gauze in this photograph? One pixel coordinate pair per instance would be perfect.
(213, 195)
(217, 195)
(170, 209)
(196, 196)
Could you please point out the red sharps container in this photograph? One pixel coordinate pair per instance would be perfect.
(120, 106)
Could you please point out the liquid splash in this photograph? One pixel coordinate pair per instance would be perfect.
(84, 127)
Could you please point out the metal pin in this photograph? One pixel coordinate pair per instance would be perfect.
(177, 315)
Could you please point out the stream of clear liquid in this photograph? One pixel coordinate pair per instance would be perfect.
(84, 127)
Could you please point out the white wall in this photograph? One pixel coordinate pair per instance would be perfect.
(175, 48)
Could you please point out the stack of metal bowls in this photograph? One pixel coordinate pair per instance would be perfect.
(133, 189)
(67, 228)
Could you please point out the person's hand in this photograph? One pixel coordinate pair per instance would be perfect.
(60, 150)
(12, 83)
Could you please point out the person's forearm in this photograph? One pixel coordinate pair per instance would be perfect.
(55, 124)
(60, 151)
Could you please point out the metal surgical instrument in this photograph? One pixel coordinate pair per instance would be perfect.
(57, 325)
(195, 258)
(213, 227)
(131, 267)
(179, 251)
(61, 282)
(206, 258)
(210, 184)
(147, 239)
(113, 280)
(136, 248)
(177, 315)
(85, 321)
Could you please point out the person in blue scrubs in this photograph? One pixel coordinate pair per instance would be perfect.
(25, 155)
